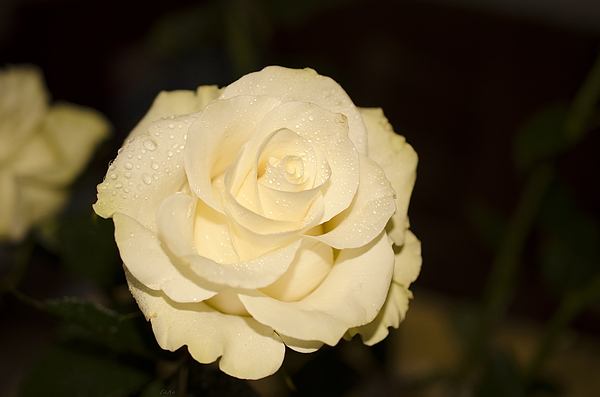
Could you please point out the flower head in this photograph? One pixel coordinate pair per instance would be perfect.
(264, 215)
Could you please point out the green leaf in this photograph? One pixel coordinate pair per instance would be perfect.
(570, 248)
(88, 249)
(111, 327)
(542, 136)
(65, 372)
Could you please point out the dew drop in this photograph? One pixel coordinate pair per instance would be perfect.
(148, 144)
(128, 165)
(147, 179)
(154, 165)
(114, 176)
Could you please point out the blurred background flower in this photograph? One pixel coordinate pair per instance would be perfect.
(42, 149)
(498, 98)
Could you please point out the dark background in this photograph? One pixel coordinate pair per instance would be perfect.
(457, 82)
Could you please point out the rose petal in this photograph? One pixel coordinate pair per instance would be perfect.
(408, 260)
(173, 103)
(37, 202)
(328, 132)
(148, 169)
(368, 214)
(175, 224)
(391, 315)
(406, 270)
(350, 296)
(399, 161)
(146, 260)
(212, 235)
(311, 265)
(223, 124)
(23, 104)
(8, 215)
(24, 203)
(251, 241)
(63, 144)
(301, 346)
(248, 349)
(302, 85)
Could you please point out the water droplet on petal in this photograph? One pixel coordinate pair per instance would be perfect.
(147, 179)
(148, 144)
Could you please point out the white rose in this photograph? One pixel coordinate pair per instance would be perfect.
(254, 217)
(42, 150)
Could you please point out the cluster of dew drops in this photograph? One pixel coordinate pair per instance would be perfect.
(142, 161)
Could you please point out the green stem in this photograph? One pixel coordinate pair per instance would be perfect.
(570, 307)
(499, 291)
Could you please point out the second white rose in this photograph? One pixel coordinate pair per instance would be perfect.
(264, 215)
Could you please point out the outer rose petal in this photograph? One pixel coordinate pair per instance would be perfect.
(248, 349)
(146, 260)
(406, 270)
(301, 346)
(302, 85)
(174, 103)
(351, 295)
(161, 143)
(368, 214)
(408, 260)
(136, 186)
(399, 161)
(391, 315)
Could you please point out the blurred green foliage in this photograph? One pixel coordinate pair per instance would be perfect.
(88, 249)
(570, 246)
(542, 136)
(69, 372)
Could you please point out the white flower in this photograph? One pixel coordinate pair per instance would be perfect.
(42, 150)
(254, 217)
